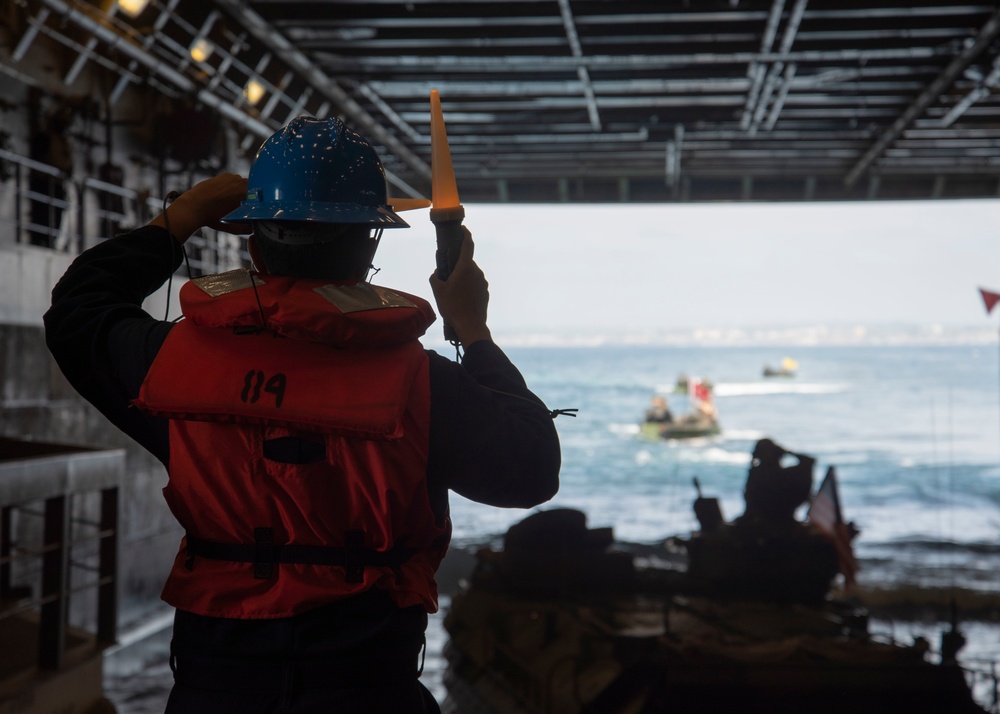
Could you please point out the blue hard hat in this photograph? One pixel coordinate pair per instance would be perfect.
(317, 170)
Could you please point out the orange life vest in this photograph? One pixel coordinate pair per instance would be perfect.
(334, 370)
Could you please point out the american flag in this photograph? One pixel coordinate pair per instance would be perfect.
(824, 513)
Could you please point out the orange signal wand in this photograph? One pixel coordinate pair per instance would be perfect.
(447, 212)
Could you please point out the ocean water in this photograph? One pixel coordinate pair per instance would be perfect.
(912, 431)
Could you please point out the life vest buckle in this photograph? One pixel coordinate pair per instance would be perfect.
(354, 557)
(264, 558)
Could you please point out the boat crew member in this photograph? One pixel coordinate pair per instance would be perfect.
(309, 439)
(659, 411)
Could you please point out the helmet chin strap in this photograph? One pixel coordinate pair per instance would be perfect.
(372, 270)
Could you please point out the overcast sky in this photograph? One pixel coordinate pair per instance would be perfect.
(600, 268)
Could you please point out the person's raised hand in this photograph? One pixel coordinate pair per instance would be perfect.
(464, 297)
(203, 205)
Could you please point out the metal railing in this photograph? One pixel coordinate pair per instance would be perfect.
(59, 518)
(42, 206)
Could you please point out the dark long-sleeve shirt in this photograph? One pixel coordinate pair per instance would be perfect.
(491, 439)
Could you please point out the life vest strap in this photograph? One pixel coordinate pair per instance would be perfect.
(265, 554)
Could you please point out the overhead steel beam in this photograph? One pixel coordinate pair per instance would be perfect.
(787, 39)
(945, 9)
(963, 106)
(673, 158)
(474, 21)
(756, 71)
(581, 68)
(986, 35)
(81, 49)
(983, 90)
(548, 88)
(549, 138)
(535, 64)
(386, 89)
(161, 20)
(373, 95)
(838, 78)
(256, 25)
(730, 17)
(779, 103)
(29, 35)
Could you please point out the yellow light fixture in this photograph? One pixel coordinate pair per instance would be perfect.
(253, 91)
(201, 50)
(132, 8)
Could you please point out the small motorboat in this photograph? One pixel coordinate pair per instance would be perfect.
(788, 368)
(701, 420)
(688, 426)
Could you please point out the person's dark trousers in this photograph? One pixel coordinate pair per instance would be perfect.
(205, 691)
(362, 655)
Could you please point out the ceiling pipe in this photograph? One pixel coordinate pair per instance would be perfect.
(986, 35)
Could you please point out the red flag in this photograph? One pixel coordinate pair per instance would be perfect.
(989, 299)
(699, 391)
(824, 513)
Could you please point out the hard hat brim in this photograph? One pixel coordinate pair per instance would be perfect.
(376, 216)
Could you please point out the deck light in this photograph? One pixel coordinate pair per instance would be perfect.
(132, 8)
(253, 91)
(201, 50)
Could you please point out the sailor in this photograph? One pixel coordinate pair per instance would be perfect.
(659, 411)
(309, 439)
(706, 408)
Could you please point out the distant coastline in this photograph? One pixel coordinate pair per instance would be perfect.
(785, 336)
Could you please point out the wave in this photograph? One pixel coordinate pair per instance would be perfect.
(752, 435)
(754, 389)
(728, 435)
(624, 429)
(715, 455)
(936, 545)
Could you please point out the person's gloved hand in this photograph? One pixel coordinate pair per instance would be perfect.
(203, 205)
(463, 298)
